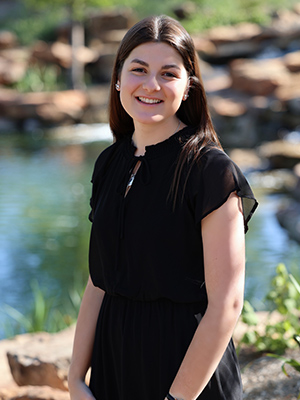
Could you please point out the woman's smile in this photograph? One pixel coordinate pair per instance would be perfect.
(147, 100)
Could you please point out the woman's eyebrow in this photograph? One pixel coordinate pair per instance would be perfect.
(145, 64)
(137, 61)
(169, 66)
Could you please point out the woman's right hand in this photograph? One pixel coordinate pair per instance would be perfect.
(79, 391)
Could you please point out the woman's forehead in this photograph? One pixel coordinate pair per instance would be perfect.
(155, 52)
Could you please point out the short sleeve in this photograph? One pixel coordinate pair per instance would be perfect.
(220, 177)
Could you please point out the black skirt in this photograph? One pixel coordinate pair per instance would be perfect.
(139, 346)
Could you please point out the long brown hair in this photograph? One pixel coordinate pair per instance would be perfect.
(192, 112)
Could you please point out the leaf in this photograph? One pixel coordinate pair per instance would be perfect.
(290, 361)
(295, 283)
(18, 316)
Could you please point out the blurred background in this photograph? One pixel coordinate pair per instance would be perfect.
(55, 66)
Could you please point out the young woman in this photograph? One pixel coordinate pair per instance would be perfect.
(169, 211)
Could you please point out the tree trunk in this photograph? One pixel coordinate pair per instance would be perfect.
(77, 67)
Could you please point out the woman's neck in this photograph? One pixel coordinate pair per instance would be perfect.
(150, 135)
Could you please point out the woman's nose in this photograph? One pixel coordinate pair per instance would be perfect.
(151, 84)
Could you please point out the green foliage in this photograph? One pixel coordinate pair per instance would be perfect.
(228, 12)
(287, 361)
(45, 314)
(37, 19)
(30, 25)
(284, 297)
(40, 78)
(76, 8)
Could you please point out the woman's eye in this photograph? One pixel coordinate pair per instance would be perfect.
(169, 75)
(139, 70)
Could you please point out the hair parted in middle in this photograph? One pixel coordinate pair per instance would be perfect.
(192, 112)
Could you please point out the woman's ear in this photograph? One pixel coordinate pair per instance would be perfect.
(186, 93)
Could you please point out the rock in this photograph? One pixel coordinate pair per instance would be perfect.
(27, 370)
(246, 159)
(41, 359)
(13, 65)
(292, 61)
(296, 189)
(289, 94)
(97, 110)
(288, 215)
(217, 83)
(185, 10)
(99, 24)
(33, 393)
(284, 27)
(204, 47)
(263, 379)
(113, 36)
(234, 33)
(228, 42)
(61, 54)
(41, 51)
(101, 70)
(258, 77)
(8, 40)
(227, 107)
(49, 107)
(281, 153)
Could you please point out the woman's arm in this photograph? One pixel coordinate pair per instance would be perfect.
(224, 263)
(84, 341)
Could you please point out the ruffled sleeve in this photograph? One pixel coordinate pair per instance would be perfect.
(219, 177)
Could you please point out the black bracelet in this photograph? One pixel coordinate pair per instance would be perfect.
(170, 397)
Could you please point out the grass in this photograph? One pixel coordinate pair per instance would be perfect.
(45, 314)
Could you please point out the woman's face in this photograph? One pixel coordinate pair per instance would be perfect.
(153, 82)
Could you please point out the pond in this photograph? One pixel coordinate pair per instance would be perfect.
(44, 230)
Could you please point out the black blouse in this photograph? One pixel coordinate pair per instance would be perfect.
(140, 246)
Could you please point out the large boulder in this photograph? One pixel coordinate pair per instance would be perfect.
(41, 359)
(48, 107)
(225, 43)
(61, 53)
(281, 153)
(258, 77)
(292, 61)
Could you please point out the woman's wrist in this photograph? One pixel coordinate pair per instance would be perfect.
(170, 397)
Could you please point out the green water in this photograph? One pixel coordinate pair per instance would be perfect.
(44, 230)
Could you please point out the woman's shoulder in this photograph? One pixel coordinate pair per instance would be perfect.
(105, 158)
(215, 167)
(214, 158)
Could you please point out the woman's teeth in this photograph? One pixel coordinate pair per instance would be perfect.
(149, 101)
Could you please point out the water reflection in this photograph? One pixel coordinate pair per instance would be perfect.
(267, 246)
(44, 231)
